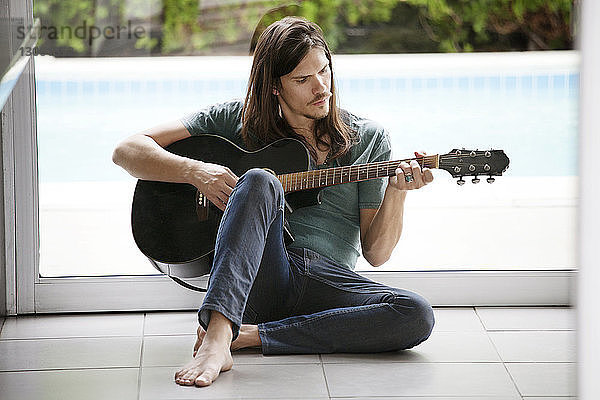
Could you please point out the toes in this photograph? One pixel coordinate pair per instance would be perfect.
(184, 382)
(207, 377)
(191, 376)
(186, 377)
(182, 378)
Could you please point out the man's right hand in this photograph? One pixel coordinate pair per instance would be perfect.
(144, 157)
(214, 181)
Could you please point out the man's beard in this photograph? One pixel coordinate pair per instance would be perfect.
(324, 114)
(317, 117)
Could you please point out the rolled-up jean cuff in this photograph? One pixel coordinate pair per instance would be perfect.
(204, 318)
(264, 341)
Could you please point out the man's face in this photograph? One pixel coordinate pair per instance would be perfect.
(304, 93)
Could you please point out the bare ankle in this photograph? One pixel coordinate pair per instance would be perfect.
(248, 337)
(219, 328)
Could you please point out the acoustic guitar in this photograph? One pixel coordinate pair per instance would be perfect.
(175, 226)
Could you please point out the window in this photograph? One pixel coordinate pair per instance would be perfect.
(117, 67)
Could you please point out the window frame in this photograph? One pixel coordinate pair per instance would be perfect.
(27, 292)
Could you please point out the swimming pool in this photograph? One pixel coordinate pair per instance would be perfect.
(525, 104)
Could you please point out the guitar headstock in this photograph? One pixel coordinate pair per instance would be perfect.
(461, 163)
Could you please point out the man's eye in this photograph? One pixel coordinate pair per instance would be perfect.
(302, 80)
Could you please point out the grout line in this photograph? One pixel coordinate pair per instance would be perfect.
(540, 362)
(480, 320)
(170, 334)
(353, 363)
(487, 334)
(456, 397)
(69, 337)
(235, 364)
(531, 330)
(66, 369)
(324, 376)
(141, 358)
(512, 379)
(527, 329)
(374, 362)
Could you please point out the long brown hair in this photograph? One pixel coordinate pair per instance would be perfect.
(279, 50)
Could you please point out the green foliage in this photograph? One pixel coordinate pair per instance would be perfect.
(59, 15)
(463, 25)
(334, 16)
(383, 26)
(179, 24)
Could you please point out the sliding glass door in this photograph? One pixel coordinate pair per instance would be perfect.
(115, 68)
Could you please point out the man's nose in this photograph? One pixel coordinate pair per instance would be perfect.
(320, 85)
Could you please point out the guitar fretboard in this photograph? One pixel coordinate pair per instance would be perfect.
(351, 173)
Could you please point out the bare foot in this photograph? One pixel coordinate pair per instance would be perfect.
(210, 360)
(248, 337)
(213, 355)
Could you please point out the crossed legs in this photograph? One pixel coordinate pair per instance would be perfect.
(290, 303)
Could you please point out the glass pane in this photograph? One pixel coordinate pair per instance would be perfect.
(111, 68)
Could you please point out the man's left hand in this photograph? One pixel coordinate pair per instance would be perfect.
(411, 176)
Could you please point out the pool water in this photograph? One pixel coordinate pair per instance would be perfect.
(86, 107)
(533, 117)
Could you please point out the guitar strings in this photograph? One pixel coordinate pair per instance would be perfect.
(377, 166)
(358, 171)
(352, 173)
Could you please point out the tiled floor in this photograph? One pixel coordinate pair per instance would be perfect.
(473, 353)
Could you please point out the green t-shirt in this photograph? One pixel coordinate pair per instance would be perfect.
(331, 228)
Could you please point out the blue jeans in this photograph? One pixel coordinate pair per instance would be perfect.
(301, 301)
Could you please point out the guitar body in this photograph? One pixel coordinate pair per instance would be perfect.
(175, 232)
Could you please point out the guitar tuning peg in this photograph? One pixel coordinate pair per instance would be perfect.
(490, 179)
(475, 180)
(460, 181)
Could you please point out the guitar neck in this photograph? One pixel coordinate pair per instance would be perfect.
(352, 173)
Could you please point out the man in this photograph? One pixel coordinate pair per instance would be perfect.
(301, 298)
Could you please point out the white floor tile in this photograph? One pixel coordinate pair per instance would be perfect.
(544, 379)
(88, 384)
(419, 379)
(440, 347)
(167, 351)
(63, 326)
(536, 346)
(515, 397)
(171, 323)
(37, 354)
(549, 398)
(456, 320)
(459, 360)
(255, 356)
(173, 351)
(525, 318)
(294, 381)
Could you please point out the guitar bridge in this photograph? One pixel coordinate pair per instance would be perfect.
(201, 206)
